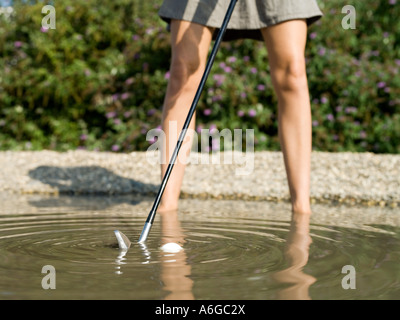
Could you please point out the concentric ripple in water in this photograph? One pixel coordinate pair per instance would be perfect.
(223, 258)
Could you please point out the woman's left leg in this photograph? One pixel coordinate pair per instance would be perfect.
(286, 45)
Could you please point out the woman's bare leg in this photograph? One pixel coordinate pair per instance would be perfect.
(190, 44)
(286, 45)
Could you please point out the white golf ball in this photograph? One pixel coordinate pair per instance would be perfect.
(171, 247)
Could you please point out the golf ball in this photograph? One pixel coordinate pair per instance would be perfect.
(171, 247)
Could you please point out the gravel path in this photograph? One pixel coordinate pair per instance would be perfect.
(351, 178)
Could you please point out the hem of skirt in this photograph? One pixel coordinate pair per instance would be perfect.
(237, 32)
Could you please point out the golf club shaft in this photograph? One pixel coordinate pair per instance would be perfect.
(152, 214)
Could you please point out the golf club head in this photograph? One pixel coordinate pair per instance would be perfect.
(123, 241)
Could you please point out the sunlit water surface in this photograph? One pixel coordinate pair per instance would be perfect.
(231, 250)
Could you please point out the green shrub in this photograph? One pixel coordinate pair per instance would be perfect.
(98, 80)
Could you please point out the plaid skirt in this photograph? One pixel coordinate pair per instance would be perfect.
(248, 17)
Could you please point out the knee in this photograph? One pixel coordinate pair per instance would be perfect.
(183, 69)
(290, 76)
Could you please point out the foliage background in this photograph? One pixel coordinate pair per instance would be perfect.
(98, 80)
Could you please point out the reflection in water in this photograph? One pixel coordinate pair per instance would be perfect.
(296, 252)
(120, 260)
(175, 272)
(146, 253)
(232, 249)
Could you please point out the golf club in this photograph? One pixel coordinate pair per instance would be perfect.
(152, 214)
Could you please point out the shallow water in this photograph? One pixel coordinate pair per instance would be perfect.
(232, 250)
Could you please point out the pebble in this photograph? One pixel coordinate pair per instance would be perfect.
(364, 179)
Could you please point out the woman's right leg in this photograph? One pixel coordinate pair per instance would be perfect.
(190, 43)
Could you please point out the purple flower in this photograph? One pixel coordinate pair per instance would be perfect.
(381, 84)
(392, 2)
(127, 114)
(151, 112)
(339, 109)
(167, 75)
(232, 59)
(222, 65)
(330, 117)
(397, 61)
(240, 113)
(87, 72)
(117, 122)
(150, 30)
(324, 100)
(252, 113)
(129, 81)
(216, 98)
(215, 146)
(135, 37)
(110, 115)
(363, 134)
(18, 44)
(322, 51)
(83, 137)
(243, 95)
(261, 87)
(219, 78)
(213, 128)
(315, 123)
(246, 58)
(207, 112)
(253, 70)
(115, 148)
(313, 35)
(351, 110)
(228, 69)
(335, 137)
(125, 96)
(44, 29)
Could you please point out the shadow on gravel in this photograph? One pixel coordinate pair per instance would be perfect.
(90, 180)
